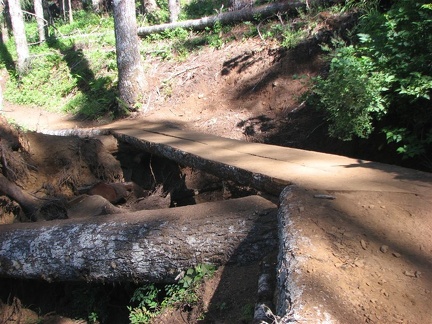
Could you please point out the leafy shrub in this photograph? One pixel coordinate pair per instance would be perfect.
(151, 301)
(385, 75)
(352, 94)
(200, 8)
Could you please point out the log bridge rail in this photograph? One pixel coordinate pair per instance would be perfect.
(134, 249)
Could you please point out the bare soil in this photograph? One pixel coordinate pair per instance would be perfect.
(252, 90)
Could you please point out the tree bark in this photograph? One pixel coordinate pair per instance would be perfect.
(19, 35)
(246, 14)
(39, 12)
(174, 9)
(1, 96)
(131, 82)
(70, 13)
(152, 246)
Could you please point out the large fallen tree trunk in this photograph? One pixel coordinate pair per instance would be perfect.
(246, 14)
(142, 246)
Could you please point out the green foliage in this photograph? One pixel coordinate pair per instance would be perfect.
(48, 80)
(292, 34)
(248, 312)
(93, 318)
(65, 74)
(95, 102)
(90, 302)
(291, 38)
(196, 275)
(287, 34)
(151, 301)
(214, 36)
(85, 22)
(179, 42)
(201, 8)
(367, 6)
(154, 18)
(252, 29)
(170, 44)
(352, 94)
(410, 146)
(386, 75)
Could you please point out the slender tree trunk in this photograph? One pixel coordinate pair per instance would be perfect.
(69, 2)
(1, 95)
(62, 9)
(130, 70)
(174, 9)
(19, 35)
(40, 19)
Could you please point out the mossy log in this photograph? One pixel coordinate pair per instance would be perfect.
(152, 245)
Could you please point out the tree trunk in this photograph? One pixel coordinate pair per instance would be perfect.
(148, 245)
(130, 70)
(39, 12)
(246, 14)
(19, 35)
(62, 6)
(1, 96)
(174, 9)
(70, 13)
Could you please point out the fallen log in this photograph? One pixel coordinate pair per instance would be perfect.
(246, 14)
(153, 245)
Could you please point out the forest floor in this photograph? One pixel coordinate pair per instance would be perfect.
(252, 90)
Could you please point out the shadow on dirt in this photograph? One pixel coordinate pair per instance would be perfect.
(287, 63)
(355, 241)
(238, 290)
(240, 63)
(256, 125)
